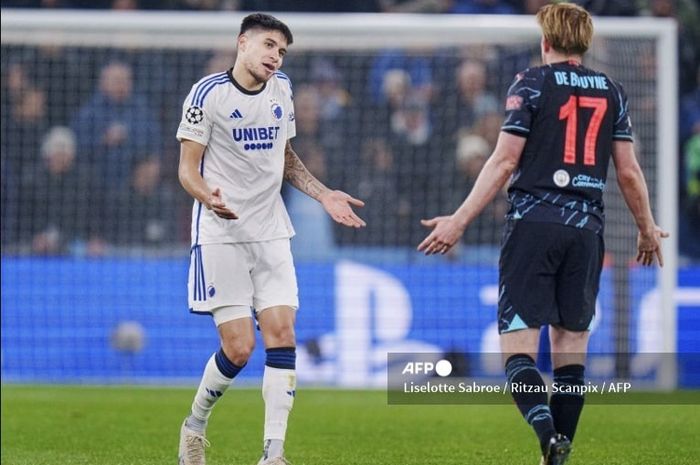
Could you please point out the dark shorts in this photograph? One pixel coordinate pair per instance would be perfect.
(549, 275)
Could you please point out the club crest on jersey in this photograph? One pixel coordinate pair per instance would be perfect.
(194, 115)
(277, 110)
(561, 178)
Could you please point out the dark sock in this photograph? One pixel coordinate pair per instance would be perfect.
(566, 406)
(226, 366)
(530, 395)
(281, 357)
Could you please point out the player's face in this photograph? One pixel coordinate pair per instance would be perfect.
(263, 53)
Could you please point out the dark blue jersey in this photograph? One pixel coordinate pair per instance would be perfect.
(570, 116)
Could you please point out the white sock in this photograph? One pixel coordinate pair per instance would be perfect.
(273, 448)
(279, 389)
(211, 388)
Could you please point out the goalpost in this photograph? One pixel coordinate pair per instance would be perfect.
(346, 49)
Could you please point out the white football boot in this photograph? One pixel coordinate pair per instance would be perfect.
(192, 444)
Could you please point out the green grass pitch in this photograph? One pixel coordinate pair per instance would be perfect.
(51, 425)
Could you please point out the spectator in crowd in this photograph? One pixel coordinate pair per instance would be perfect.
(116, 129)
(54, 69)
(387, 213)
(54, 212)
(24, 127)
(396, 88)
(307, 110)
(334, 99)
(313, 129)
(489, 127)
(146, 211)
(14, 83)
(116, 132)
(414, 62)
(396, 85)
(473, 100)
(410, 123)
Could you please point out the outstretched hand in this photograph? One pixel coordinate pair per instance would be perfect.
(338, 205)
(443, 237)
(649, 246)
(215, 202)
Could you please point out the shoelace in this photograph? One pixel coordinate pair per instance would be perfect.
(194, 446)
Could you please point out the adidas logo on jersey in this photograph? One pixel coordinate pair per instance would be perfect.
(236, 114)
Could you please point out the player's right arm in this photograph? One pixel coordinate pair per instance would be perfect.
(447, 230)
(193, 133)
(634, 189)
(191, 154)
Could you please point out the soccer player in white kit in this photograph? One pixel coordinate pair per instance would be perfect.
(235, 153)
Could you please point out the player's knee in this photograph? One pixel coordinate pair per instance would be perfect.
(281, 336)
(564, 341)
(238, 350)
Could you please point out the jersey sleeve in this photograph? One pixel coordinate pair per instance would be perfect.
(622, 126)
(521, 102)
(291, 124)
(288, 90)
(196, 121)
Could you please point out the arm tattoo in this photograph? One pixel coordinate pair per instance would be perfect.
(298, 176)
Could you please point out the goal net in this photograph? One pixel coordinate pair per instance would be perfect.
(399, 111)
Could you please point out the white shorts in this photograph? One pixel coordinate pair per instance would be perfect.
(251, 274)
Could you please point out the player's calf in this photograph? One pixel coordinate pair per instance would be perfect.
(530, 394)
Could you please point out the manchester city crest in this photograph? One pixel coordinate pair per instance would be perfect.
(561, 178)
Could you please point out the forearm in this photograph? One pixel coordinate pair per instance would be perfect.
(490, 181)
(194, 184)
(296, 174)
(188, 173)
(634, 190)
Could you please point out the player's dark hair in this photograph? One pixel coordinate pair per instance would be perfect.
(266, 22)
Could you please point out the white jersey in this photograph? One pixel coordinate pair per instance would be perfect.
(245, 134)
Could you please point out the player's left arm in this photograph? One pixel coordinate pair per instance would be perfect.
(447, 230)
(633, 187)
(337, 203)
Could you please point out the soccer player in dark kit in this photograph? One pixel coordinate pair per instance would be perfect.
(563, 122)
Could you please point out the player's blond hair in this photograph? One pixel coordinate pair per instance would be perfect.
(568, 28)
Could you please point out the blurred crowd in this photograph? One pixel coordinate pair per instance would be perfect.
(89, 156)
